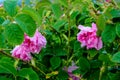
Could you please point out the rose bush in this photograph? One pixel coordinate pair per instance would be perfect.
(60, 40)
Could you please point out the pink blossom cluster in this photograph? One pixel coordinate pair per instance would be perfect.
(88, 37)
(30, 45)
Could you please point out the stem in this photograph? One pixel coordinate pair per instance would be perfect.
(5, 49)
(69, 26)
(6, 54)
(38, 69)
(35, 67)
(102, 70)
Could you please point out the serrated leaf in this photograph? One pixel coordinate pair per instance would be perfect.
(56, 10)
(109, 34)
(26, 23)
(14, 34)
(34, 14)
(116, 57)
(6, 67)
(10, 7)
(28, 74)
(59, 24)
(55, 62)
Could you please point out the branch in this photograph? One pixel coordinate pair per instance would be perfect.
(35, 67)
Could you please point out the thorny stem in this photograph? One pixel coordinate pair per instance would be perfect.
(35, 67)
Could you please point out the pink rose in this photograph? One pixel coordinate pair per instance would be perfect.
(88, 37)
(29, 45)
(22, 53)
(37, 42)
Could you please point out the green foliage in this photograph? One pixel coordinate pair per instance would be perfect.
(64, 3)
(55, 62)
(62, 75)
(56, 10)
(116, 57)
(6, 67)
(109, 34)
(28, 74)
(26, 23)
(58, 21)
(117, 2)
(84, 65)
(2, 41)
(34, 14)
(10, 7)
(14, 34)
(59, 24)
(118, 30)
(101, 22)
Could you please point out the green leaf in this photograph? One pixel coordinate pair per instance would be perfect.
(56, 10)
(109, 34)
(55, 62)
(92, 52)
(2, 41)
(84, 65)
(26, 23)
(6, 22)
(117, 2)
(95, 64)
(14, 34)
(104, 57)
(28, 74)
(101, 22)
(60, 52)
(1, 20)
(59, 24)
(34, 14)
(4, 78)
(64, 3)
(62, 75)
(74, 15)
(6, 67)
(115, 13)
(10, 7)
(118, 30)
(116, 57)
